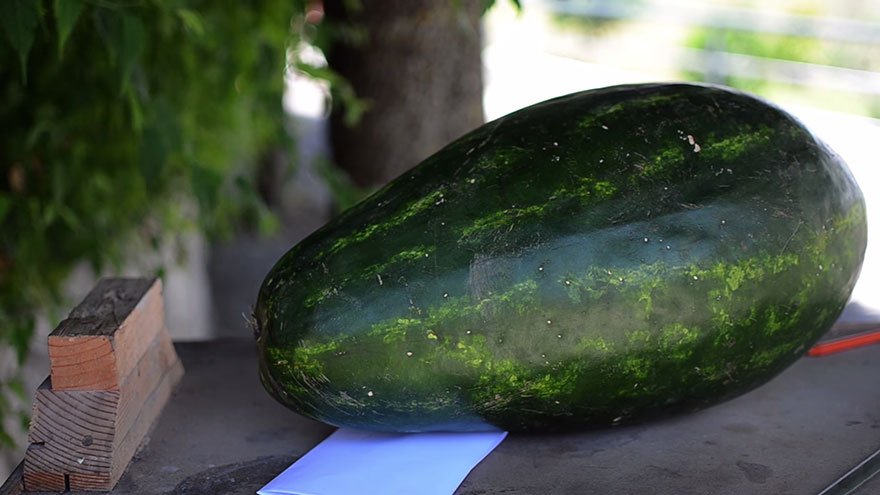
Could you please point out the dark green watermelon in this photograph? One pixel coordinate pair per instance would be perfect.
(600, 257)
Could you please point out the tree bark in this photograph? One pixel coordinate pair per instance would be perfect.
(420, 70)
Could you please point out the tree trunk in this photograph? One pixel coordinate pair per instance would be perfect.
(419, 68)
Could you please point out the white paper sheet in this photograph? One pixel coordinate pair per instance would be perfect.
(352, 462)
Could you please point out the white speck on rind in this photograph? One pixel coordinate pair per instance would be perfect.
(568, 282)
(604, 127)
(540, 268)
(409, 353)
(646, 239)
(445, 295)
(426, 255)
(695, 277)
(691, 140)
(472, 180)
(667, 247)
(697, 148)
(370, 393)
(559, 336)
(550, 322)
(467, 332)
(379, 277)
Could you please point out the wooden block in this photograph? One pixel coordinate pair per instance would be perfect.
(113, 369)
(147, 416)
(104, 337)
(91, 435)
(39, 476)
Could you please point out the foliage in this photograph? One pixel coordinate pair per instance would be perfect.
(765, 45)
(802, 49)
(110, 113)
(595, 25)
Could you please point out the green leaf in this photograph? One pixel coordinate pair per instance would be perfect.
(343, 93)
(206, 186)
(137, 113)
(20, 338)
(353, 6)
(192, 21)
(131, 44)
(69, 217)
(19, 20)
(124, 37)
(5, 206)
(488, 4)
(66, 14)
(268, 222)
(17, 388)
(49, 214)
(24, 420)
(154, 152)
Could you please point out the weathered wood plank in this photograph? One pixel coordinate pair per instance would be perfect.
(104, 337)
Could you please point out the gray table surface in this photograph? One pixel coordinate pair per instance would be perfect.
(223, 435)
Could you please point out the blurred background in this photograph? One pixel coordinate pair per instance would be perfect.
(198, 141)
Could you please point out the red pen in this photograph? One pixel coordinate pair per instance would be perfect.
(867, 334)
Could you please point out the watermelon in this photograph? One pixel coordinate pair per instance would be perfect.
(598, 258)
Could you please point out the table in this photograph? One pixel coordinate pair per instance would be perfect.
(221, 434)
